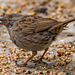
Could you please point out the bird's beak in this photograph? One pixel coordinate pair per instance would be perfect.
(3, 21)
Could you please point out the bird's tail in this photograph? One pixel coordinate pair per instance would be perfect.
(68, 21)
(63, 24)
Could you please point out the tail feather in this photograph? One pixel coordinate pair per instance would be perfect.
(68, 21)
(63, 24)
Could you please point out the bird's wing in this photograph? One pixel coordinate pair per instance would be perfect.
(45, 24)
(34, 24)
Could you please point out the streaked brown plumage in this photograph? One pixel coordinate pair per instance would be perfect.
(32, 33)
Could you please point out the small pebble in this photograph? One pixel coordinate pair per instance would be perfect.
(41, 10)
(41, 72)
(48, 71)
(29, 72)
(24, 70)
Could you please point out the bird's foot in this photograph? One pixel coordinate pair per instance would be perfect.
(20, 65)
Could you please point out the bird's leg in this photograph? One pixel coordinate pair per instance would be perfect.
(43, 54)
(33, 54)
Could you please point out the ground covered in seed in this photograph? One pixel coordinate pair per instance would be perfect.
(59, 59)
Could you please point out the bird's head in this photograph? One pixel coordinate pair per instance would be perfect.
(9, 20)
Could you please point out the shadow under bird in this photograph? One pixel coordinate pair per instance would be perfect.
(32, 33)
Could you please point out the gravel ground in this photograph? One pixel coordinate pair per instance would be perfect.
(9, 51)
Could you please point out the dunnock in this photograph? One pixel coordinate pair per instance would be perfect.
(32, 33)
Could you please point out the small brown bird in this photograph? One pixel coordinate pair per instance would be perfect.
(32, 33)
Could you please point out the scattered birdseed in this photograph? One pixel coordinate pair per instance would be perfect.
(70, 35)
(3, 46)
